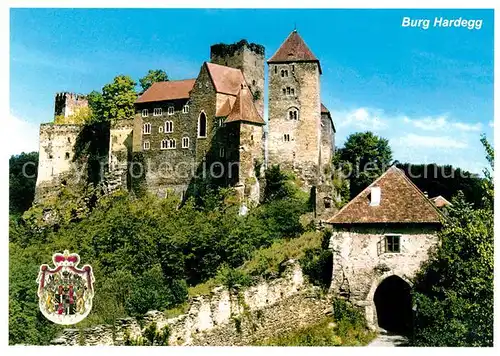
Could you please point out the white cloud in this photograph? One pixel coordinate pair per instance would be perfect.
(490, 124)
(419, 141)
(361, 119)
(431, 123)
(23, 136)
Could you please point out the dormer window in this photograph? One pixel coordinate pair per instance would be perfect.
(375, 196)
(157, 112)
(170, 110)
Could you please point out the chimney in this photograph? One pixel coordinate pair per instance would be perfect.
(375, 196)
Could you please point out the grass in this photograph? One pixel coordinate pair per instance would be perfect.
(323, 333)
(267, 261)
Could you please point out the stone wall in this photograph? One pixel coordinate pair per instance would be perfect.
(360, 262)
(302, 152)
(224, 317)
(120, 148)
(55, 160)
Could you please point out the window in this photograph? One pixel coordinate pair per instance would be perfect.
(220, 121)
(293, 91)
(146, 145)
(293, 114)
(185, 142)
(145, 113)
(254, 82)
(286, 73)
(66, 156)
(286, 137)
(202, 125)
(169, 126)
(282, 73)
(275, 69)
(284, 91)
(160, 129)
(221, 152)
(288, 90)
(146, 129)
(168, 144)
(293, 68)
(170, 110)
(392, 243)
(185, 109)
(157, 112)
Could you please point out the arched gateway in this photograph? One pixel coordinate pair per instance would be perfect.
(393, 305)
(380, 238)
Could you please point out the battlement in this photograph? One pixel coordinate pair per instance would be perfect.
(66, 104)
(228, 50)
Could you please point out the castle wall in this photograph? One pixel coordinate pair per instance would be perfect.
(251, 154)
(302, 152)
(171, 168)
(55, 162)
(360, 263)
(224, 317)
(120, 148)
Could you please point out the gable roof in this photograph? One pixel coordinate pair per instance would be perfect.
(294, 49)
(169, 90)
(440, 201)
(244, 109)
(226, 80)
(400, 202)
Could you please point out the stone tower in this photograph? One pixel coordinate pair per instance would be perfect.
(249, 58)
(294, 124)
(67, 104)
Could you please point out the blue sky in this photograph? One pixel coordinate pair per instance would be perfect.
(430, 92)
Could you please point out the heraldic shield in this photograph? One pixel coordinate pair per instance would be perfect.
(65, 293)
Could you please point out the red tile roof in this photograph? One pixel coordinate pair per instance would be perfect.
(294, 49)
(400, 202)
(225, 109)
(170, 90)
(440, 201)
(244, 109)
(226, 80)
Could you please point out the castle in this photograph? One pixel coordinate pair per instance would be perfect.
(212, 128)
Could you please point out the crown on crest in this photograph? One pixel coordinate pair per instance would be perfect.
(65, 259)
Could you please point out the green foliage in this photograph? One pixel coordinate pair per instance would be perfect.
(454, 290)
(81, 116)
(228, 50)
(233, 278)
(322, 333)
(144, 251)
(279, 184)
(23, 170)
(444, 180)
(366, 156)
(153, 76)
(317, 263)
(118, 99)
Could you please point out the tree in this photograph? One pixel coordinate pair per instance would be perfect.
(118, 99)
(366, 156)
(153, 76)
(454, 290)
(23, 171)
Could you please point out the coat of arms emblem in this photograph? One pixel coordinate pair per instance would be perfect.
(65, 292)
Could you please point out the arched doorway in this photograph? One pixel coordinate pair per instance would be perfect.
(393, 304)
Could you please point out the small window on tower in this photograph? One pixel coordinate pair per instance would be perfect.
(286, 73)
(253, 82)
(286, 137)
(275, 70)
(282, 73)
(284, 91)
(288, 90)
(292, 91)
(293, 68)
(66, 155)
